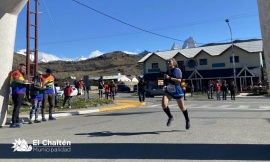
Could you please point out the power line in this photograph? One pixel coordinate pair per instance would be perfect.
(147, 31)
(49, 14)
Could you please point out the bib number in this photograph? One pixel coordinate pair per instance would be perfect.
(171, 88)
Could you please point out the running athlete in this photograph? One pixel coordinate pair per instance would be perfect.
(172, 81)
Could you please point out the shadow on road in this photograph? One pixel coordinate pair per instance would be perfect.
(108, 133)
(118, 114)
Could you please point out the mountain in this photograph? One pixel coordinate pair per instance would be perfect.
(189, 43)
(106, 64)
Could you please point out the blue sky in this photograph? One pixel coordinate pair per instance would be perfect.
(68, 29)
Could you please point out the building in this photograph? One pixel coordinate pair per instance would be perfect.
(201, 64)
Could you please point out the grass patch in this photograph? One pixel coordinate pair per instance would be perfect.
(76, 103)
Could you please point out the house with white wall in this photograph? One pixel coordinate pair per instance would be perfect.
(214, 62)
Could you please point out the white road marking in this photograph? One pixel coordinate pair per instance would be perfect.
(264, 107)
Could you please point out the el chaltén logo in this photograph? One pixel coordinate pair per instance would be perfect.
(42, 146)
(21, 146)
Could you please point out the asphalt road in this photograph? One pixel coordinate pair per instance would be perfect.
(220, 131)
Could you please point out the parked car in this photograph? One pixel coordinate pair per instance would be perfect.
(155, 91)
(123, 88)
(74, 91)
(135, 88)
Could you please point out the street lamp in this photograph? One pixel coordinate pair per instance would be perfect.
(233, 60)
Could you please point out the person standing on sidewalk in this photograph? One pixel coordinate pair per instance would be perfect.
(80, 84)
(18, 85)
(112, 89)
(210, 89)
(36, 93)
(184, 87)
(217, 89)
(107, 90)
(87, 90)
(173, 90)
(224, 89)
(48, 80)
(100, 87)
(141, 90)
(232, 90)
(67, 94)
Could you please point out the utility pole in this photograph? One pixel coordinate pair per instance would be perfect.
(31, 37)
(264, 7)
(233, 59)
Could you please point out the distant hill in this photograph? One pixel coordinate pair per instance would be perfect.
(106, 64)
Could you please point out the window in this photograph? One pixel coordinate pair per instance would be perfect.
(218, 65)
(203, 61)
(236, 59)
(191, 63)
(181, 65)
(154, 65)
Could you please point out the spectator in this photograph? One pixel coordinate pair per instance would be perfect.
(217, 89)
(18, 86)
(56, 89)
(232, 90)
(224, 89)
(141, 90)
(107, 90)
(112, 89)
(88, 89)
(100, 87)
(116, 89)
(80, 85)
(48, 81)
(76, 84)
(67, 94)
(210, 89)
(36, 93)
(184, 87)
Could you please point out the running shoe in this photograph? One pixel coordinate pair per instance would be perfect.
(37, 121)
(169, 121)
(187, 125)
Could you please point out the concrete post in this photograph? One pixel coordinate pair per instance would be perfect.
(9, 10)
(264, 8)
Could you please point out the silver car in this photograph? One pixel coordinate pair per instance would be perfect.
(155, 91)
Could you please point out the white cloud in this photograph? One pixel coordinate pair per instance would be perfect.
(95, 53)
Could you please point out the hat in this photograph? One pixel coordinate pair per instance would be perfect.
(39, 72)
(49, 71)
(67, 83)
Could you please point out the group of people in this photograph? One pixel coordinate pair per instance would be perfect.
(221, 88)
(41, 92)
(109, 87)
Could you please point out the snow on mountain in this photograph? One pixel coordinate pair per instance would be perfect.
(81, 58)
(189, 43)
(42, 57)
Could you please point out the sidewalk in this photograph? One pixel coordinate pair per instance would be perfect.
(117, 105)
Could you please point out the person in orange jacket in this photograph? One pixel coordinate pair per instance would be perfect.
(184, 87)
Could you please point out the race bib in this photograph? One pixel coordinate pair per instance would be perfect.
(171, 88)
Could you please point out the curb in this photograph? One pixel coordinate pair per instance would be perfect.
(120, 104)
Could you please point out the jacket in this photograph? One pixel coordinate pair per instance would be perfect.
(68, 91)
(36, 87)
